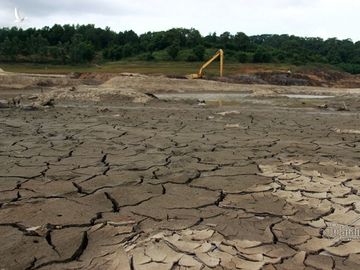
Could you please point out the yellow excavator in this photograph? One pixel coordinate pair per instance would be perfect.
(200, 74)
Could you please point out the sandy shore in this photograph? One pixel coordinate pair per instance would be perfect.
(105, 183)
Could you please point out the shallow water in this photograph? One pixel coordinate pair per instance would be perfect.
(203, 96)
(308, 96)
(227, 96)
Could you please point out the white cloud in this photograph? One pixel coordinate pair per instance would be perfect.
(324, 18)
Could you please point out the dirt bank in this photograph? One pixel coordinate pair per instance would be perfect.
(314, 77)
(156, 84)
(256, 75)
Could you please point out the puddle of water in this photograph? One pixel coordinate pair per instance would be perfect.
(203, 96)
(230, 97)
(307, 96)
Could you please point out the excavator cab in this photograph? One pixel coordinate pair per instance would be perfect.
(200, 74)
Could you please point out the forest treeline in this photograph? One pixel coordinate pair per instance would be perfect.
(76, 44)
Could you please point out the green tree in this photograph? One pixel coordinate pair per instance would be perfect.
(113, 53)
(193, 38)
(9, 49)
(242, 57)
(199, 52)
(127, 50)
(173, 51)
(81, 51)
(262, 56)
(242, 42)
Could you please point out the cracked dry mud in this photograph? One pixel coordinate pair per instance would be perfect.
(165, 186)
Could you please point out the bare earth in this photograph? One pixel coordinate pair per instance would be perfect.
(110, 178)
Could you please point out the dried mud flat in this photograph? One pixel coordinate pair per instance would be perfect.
(174, 185)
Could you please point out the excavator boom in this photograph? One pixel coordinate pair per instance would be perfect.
(219, 53)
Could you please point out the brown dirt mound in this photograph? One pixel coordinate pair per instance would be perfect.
(25, 81)
(101, 77)
(156, 84)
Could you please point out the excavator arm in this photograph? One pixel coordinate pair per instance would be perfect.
(219, 53)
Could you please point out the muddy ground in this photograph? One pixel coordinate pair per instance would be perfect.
(112, 178)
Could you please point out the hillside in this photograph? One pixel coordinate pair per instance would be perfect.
(69, 44)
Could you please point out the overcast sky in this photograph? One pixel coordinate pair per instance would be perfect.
(316, 18)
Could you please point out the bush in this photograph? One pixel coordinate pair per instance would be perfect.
(351, 68)
(145, 57)
(262, 56)
(186, 55)
(243, 57)
(113, 53)
(127, 50)
(82, 52)
(199, 53)
(173, 51)
(161, 56)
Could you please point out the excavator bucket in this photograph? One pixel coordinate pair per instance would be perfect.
(219, 54)
(193, 76)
